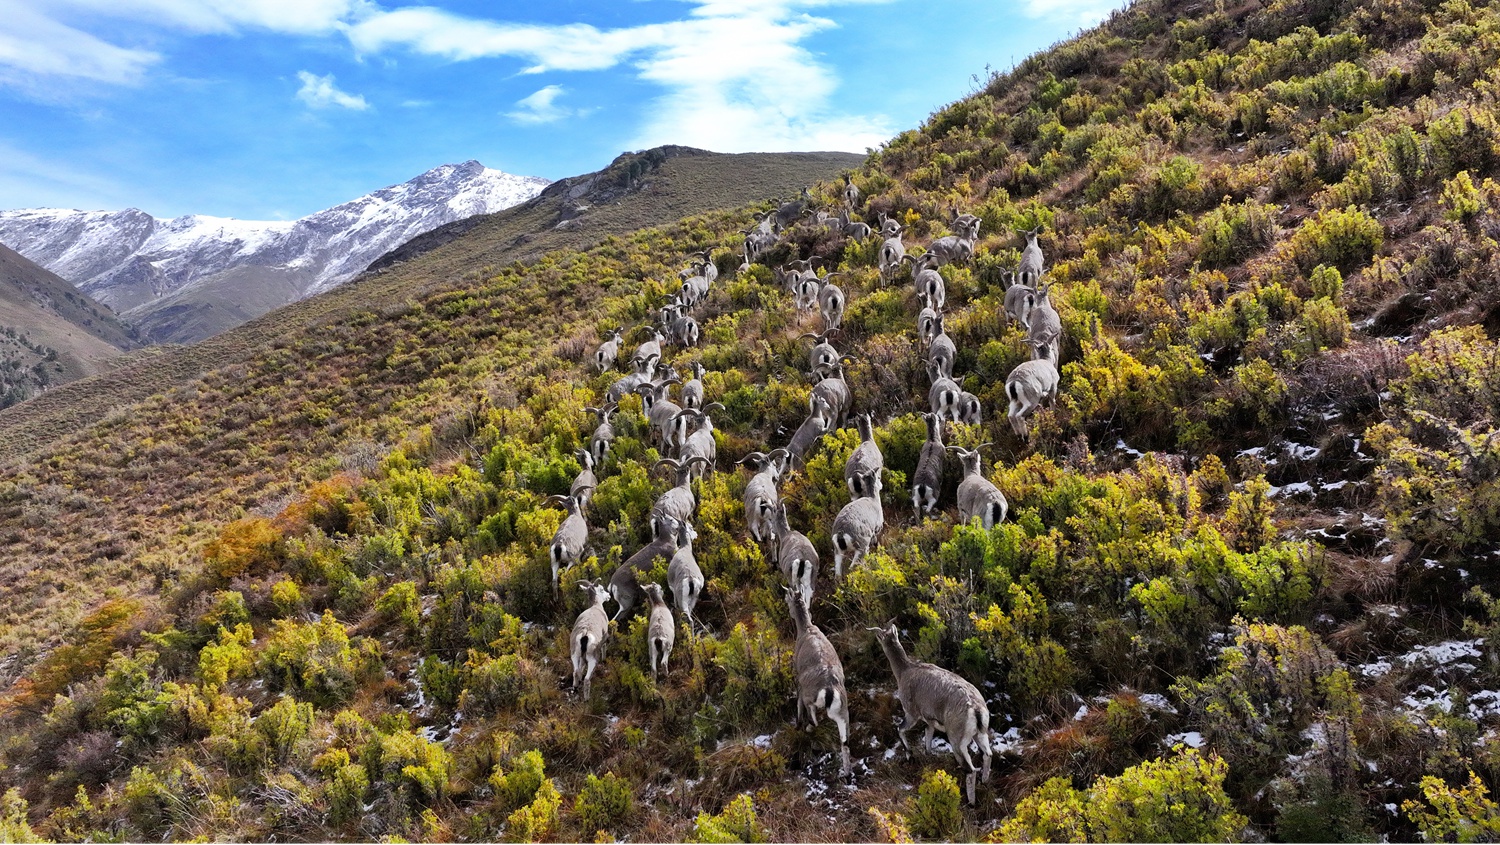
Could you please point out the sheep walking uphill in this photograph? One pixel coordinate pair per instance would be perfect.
(820, 677)
(589, 638)
(943, 701)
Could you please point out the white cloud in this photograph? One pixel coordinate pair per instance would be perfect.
(34, 46)
(319, 92)
(541, 107)
(735, 75)
(1085, 13)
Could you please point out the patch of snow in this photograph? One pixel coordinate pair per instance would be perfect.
(1192, 739)
(1082, 711)
(762, 741)
(1378, 669)
(1006, 742)
(1302, 452)
(1157, 701)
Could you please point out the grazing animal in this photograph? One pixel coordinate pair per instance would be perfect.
(927, 479)
(822, 353)
(851, 191)
(604, 433)
(927, 322)
(1029, 271)
(761, 494)
(628, 383)
(1019, 299)
(942, 351)
(943, 701)
(819, 421)
(651, 349)
(969, 411)
(831, 303)
(678, 502)
(585, 481)
(661, 630)
(692, 391)
(977, 495)
(944, 393)
(857, 525)
(659, 410)
(832, 389)
(892, 250)
(820, 677)
(795, 555)
(590, 636)
(866, 457)
(698, 443)
(609, 351)
(569, 540)
(929, 281)
(957, 248)
(1046, 324)
(1029, 385)
(624, 584)
(684, 576)
(853, 229)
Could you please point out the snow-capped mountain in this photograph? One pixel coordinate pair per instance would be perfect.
(186, 278)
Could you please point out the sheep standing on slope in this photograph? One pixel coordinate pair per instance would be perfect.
(857, 525)
(661, 631)
(820, 677)
(940, 699)
(589, 638)
(1029, 385)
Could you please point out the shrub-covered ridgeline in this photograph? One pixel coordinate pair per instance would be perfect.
(1242, 590)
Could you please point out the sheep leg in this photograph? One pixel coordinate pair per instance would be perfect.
(840, 716)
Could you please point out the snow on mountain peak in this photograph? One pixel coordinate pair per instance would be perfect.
(92, 249)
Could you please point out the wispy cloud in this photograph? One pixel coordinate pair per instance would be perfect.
(541, 107)
(35, 46)
(1083, 12)
(319, 92)
(736, 75)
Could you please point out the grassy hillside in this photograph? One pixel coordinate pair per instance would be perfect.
(637, 190)
(52, 334)
(1244, 590)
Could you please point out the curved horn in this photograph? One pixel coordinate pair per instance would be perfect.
(756, 455)
(699, 459)
(671, 462)
(718, 405)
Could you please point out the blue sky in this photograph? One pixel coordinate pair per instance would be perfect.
(273, 109)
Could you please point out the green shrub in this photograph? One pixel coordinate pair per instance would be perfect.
(935, 813)
(316, 659)
(285, 725)
(1345, 240)
(400, 605)
(737, 823)
(1445, 814)
(604, 803)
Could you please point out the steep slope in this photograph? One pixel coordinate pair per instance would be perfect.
(52, 333)
(1242, 592)
(191, 277)
(659, 185)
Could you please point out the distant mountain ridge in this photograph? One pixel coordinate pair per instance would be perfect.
(49, 332)
(186, 278)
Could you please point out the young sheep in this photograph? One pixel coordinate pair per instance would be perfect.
(927, 479)
(831, 303)
(1046, 324)
(585, 481)
(609, 351)
(699, 442)
(624, 584)
(854, 230)
(1019, 299)
(832, 388)
(969, 410)
(795, 555)
(977, 495)
(866, 457)
(604, 433)
(820, 677)
(857, 525)
(694, 290)
(705, 266)
(590, 636)
(822, 353)
(761, 495)
(851, 191)
(944, 394)
(628, 383)
(1029, 271)
(651, 349)
(692, 391)
(942, 351)
(569, 540)
(812, 429)
(684, 576)
(678, 502)
(891, 252)
(659, 411)
(1028, 385)
(927, 322)
(941, 700)
(661, 631)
